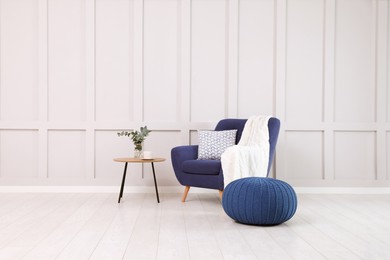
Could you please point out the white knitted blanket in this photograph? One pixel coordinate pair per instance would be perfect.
(250, 156)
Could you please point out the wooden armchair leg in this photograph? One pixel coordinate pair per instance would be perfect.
(186, 190)
(220, 194)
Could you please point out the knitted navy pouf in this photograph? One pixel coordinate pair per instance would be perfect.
(259, 201)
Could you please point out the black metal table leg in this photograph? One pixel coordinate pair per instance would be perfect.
(155, 183)
(123, 183)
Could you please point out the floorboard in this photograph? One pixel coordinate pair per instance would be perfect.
(95, 226)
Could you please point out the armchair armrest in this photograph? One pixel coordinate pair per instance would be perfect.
(185, 152)
(190, 152)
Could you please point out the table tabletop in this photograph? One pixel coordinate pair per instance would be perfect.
(138, 160)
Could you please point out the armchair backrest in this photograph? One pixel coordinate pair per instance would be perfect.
(231, 124)
(273, 130)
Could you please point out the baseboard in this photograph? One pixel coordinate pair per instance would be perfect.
(180, 189)
(342, 190)
(98, 189)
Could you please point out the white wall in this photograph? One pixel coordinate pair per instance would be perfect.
(74, 72)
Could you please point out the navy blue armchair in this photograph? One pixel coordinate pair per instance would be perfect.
(191, 172)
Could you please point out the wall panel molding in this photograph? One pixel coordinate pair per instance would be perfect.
(304, 61)
(355, 61)
(342, 98)
(11, 166)
(66, 60)
(67, 154)
(312, 155)
(184, 90)
(355, 156)
(138, 60)
(329, 81)
(113, 65)
(209, 59)
(387, 156)
(161, 56)
(231, 104)
(256, 58)
(382, 36)
(91, 68)
(280, 83)
(19, 44)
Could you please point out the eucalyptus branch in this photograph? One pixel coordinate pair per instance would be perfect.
(137, 137)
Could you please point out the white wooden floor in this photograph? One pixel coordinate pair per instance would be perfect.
(94, 226)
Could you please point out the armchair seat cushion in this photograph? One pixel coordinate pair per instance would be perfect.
(202, 167)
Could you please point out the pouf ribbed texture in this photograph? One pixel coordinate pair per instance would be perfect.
(259, 201)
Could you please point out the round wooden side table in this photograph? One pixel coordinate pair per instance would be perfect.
(127, 160)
